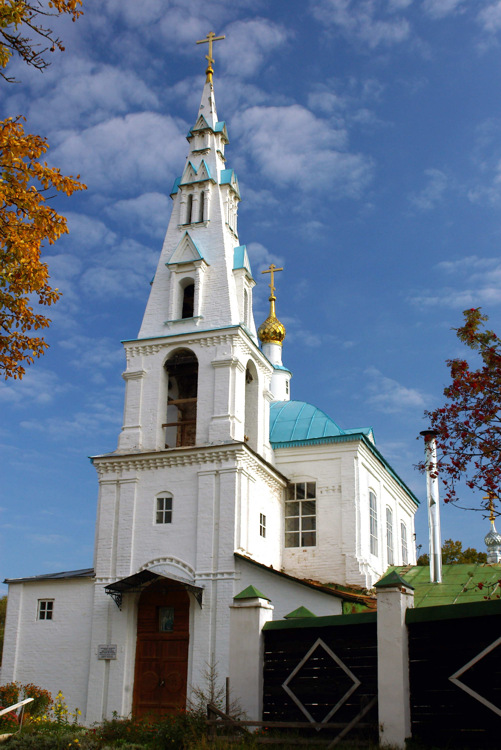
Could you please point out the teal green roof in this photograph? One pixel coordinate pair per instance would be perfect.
(460, 583)
(241, 259)
(175, 186)
(293, 421)
(228, 177)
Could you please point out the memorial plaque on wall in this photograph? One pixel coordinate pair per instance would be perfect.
(107, 651)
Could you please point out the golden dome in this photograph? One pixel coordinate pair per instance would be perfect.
(272, 331)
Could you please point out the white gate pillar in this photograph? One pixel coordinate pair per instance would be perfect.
(394, 597)
(250, 611)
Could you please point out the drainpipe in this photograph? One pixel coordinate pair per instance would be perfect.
(430, 451)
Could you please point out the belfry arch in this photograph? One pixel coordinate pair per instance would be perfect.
(182, 390)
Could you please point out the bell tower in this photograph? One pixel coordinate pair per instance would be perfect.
(195, 374)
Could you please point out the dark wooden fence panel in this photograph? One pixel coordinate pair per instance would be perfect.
(442, 711)
(321, 673)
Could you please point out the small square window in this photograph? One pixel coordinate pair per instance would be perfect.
(262, 525)
(164, 510)
(45, 609)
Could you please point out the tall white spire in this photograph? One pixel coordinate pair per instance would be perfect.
(203, 279)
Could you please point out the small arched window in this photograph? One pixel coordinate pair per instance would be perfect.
(188, 303)
(201, 207)
(403, 539)
(189, 208)
(182, 374)
(373, 523)
(163, 508)
(389, 536)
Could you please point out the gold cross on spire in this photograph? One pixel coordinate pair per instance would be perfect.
(491, 497)
(272, 270)
(211, 37)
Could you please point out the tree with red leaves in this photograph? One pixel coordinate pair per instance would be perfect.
(469, 424)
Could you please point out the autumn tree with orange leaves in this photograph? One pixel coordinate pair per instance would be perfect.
(469, 423)
(27, 222)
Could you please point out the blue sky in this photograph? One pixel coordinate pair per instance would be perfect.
(366, 135)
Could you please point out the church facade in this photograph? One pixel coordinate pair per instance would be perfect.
(221, 488)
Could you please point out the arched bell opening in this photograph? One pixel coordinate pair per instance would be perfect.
(182, 389)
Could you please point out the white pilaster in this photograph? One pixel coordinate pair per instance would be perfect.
(394, 597)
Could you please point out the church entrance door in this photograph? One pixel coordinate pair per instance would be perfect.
(162, 649)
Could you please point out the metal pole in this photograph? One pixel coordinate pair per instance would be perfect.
(430, 450)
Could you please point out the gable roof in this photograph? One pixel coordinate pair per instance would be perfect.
(66, 574)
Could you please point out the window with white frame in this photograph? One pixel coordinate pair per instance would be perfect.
(301, 515)
(373, 523)
(403, 539)
(45, 609)
(164, 509)
(262, 525)
(389, 536)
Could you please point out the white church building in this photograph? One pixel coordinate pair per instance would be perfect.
(222, 490)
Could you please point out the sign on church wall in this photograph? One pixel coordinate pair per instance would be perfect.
(107, 651)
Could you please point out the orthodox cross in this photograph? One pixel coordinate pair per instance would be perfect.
(211, 37)
(272, 270)
(491, 497)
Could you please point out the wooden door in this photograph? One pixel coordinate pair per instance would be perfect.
(162, 649)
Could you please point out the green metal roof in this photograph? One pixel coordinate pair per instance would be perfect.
(293, 421)
(298, 613)
(461, 583)
(251, 592)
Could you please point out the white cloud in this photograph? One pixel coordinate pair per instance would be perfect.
(489, 17)
(37, 386)
(477, 281)
(370, 22)
(293, 147)
(248, 43)
(98, 419)
(83, 89)
(387, 395)
(93, 353)
(441, 8)
(148, 212)
(434, 191)
(123, 153)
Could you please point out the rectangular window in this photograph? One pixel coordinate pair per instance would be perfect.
(164, 510)
(373, 523)
(403, 537)
(389, 536)
(301, 515)
(45, 609)
(262, 525)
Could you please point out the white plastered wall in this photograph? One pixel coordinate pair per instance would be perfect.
(345, 472)
(53, 654)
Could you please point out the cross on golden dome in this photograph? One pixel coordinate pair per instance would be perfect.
(272, 331)
(211, 37)
(272, 270)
